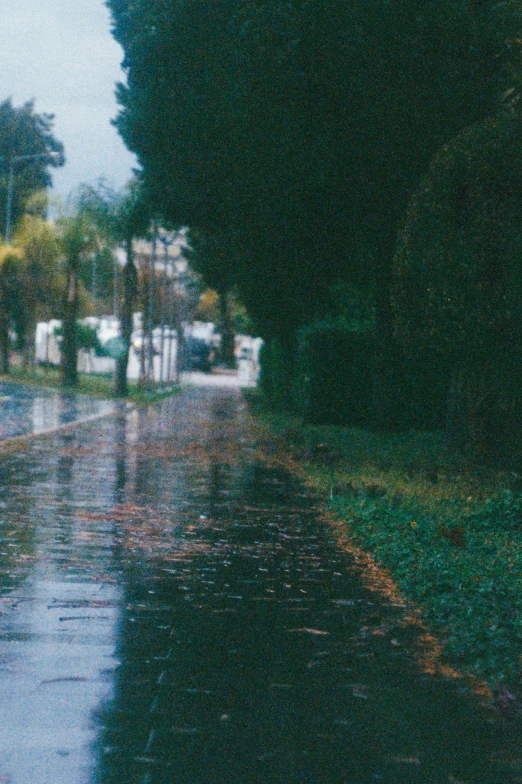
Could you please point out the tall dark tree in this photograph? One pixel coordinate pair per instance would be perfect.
(25, 132)
(297, 132)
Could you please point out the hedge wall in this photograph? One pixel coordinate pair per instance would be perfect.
(336, 365)
(458, 284)
(334, 380)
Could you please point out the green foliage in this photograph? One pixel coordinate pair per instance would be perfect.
(293, 134)
(503, 513)
(334, 376)
(42, 277)
(450, 536)
(469, 593)
(12, 285)
(277, 375)
(25, 132)
(80, 235)
(352, 306)
(337, 365)
(101, 219)
(95, 384)
(117, 215)
(86, 337)
(458, 290)
(97, 278)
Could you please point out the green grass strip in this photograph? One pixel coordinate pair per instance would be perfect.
(92, 384)
(450, 533)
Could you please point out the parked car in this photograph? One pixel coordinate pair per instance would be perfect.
(198, 355)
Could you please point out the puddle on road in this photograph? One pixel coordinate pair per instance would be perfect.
(28, 410)
(56, 659)
(181, 601)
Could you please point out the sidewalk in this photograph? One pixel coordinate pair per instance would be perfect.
(175, 612)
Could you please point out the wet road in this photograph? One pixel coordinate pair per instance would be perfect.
(28, 411)
(173, 612)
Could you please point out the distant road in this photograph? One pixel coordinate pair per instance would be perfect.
(199, 379)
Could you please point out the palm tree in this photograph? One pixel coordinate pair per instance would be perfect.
(120, 218)
(40, 277)
(132, 218)
(79, 237)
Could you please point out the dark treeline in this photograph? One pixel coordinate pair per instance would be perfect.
(298, 140)
(27, 149)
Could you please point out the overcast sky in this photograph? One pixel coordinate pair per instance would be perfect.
(61, 53)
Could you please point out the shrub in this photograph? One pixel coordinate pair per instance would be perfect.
(457, 285)
(336, 366)
(277, 380)
(86, 337)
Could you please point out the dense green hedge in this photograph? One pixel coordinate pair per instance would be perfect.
(336, 366)
(458, 284)
(277, 379)
(325, 377)
(333, 378)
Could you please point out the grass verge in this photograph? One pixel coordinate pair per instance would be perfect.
(449, 533)
(92, 384)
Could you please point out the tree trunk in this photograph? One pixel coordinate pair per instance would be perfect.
(228, 358)
(4, 342)
(130, 288)
(69, 348)
(29, 348)
(181, 349)
(479, 423)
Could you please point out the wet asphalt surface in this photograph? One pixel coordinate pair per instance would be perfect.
(175, 612)
(26, 411)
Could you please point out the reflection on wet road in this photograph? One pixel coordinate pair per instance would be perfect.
(175, 613)
(26, 410)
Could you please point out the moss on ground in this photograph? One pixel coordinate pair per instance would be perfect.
(449, 533)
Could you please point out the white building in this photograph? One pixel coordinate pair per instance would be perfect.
(164, 346)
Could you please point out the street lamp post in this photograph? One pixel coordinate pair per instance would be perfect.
(10, 185)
